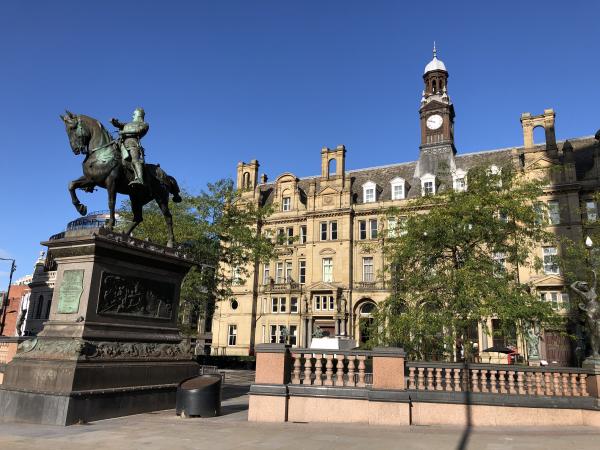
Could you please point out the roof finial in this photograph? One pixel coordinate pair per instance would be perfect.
(434, 50)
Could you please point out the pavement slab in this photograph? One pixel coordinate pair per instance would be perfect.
(164, 430)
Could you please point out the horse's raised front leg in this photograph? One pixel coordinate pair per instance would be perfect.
(80, 183)
(163, 204)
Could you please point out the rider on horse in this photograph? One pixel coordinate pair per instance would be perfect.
(131, 134)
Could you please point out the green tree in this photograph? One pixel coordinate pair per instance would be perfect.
(218, 230)
(453, 261)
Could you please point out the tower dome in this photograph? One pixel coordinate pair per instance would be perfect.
(434, 64)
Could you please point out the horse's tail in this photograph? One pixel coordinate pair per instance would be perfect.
(174, 189)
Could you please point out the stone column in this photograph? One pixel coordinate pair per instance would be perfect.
(273, 364)
(343, 325)
(388, 368)
(593, 378)
(309, 332)
(337, 326)
(268, 395)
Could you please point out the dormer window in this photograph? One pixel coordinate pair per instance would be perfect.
(459, 180)
(369, 192)
(398, 188)
(428, 184)
(286, 204)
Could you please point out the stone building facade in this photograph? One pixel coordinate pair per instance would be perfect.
(330, 229)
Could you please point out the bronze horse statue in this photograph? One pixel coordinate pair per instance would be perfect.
(104, 166)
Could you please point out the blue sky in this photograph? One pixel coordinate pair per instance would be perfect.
(225, 81)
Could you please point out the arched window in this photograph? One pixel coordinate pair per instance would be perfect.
(367, 308)
(433, 86)
(365, 320)
(246, 180)
(539, 135)
(332, 167)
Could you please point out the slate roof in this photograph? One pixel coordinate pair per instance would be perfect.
(583, 149)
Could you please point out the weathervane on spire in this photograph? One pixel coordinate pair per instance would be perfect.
(434, 50)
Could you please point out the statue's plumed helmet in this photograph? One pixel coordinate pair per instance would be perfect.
(141, 112)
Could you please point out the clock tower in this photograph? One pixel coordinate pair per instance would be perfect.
(437, 121)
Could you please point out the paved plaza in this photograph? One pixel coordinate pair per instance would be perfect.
(164, 430)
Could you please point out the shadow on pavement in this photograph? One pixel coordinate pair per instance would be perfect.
(464, 439)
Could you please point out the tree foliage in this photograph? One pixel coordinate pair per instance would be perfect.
(446, 264)
(218, 230)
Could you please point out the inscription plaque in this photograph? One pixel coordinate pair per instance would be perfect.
(70, 291)
(132, 296)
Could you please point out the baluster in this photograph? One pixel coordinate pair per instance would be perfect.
(297, 365)
(493, 382)
(339, 370)
(448, 379)
(502, 381)
(361, 371)
(511, 382)
(484, 383)
(457, 383)
(351, 381)
(421, 379)
(556, 385)
(539, 383)
(411, 378)
(429, 379)
(547, 384)
(328, 370)
(318, 370)
(474, 380)
(307, 368)
(565, 384)
(438, 379)
(520, 384)
(574, 390)
(583, 384)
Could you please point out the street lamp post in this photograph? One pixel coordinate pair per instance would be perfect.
(13, 267)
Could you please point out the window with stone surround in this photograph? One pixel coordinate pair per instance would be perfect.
(428, 184)
(303, 234)
(286, 204)
(369, 192)
(232, 335)
(550, 260)
(558, 300)
(591, 211)
(553, 212)
(398, 188)
(327, 270)
(367, 272)
(302, 271)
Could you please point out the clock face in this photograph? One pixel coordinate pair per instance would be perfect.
(434, 122)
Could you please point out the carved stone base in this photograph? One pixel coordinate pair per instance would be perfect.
(111, 346)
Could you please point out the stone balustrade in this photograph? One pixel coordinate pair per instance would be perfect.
(380, 387)
(331, 368)
(497, 379)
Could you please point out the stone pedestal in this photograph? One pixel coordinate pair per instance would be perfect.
(111, 346)
(593, 379)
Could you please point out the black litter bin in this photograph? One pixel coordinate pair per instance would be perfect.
(199, 396)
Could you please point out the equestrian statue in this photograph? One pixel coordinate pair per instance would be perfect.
(118, 166)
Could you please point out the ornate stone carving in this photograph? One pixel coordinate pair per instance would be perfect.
(133, 296)
(129, 350)
(81, 349)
